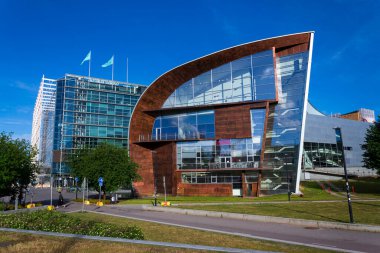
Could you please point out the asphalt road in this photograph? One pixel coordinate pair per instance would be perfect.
(331, 238)
(324, 238)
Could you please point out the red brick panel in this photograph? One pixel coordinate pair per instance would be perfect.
(164, 165)
(218, 190)
(143, 157)
(235, 121)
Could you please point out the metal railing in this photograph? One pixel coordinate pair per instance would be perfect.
(218, 165)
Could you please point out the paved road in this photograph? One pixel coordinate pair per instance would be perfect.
(330, 238)
(42, 195)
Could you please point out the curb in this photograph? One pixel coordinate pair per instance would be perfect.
(24, 210)
(260, 218)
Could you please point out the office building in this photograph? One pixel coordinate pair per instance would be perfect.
(43, 120)
(235, 123)
(90, 111)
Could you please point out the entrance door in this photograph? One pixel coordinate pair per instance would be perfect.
(225, 162)
(251, 184)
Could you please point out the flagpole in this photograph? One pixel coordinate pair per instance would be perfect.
(127, 69)
(89, 67)
(113, 62)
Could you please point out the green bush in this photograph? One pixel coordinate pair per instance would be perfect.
(52, 221)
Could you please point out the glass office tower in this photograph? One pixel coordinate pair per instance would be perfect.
(90, 111)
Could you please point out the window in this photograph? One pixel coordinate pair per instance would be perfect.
(247, 79)
(197, 125)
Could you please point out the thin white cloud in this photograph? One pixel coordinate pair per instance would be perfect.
(365, 37)
(226, 25)
(24, 86)
(24, 109)
(14, 122)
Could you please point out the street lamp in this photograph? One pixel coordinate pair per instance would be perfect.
(339, 142)
(154, 178)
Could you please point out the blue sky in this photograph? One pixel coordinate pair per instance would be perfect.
(53, 37)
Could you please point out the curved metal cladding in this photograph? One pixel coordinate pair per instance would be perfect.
(161, 155)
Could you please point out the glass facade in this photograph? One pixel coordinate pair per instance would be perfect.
(249, 78)
(318, 155)
(211, 177)
(196, 125)
(90, 111)
(257, 126)
(218, 154)
(282, 140)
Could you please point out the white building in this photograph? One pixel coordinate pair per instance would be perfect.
(43, 122)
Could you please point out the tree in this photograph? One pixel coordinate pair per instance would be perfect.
(371, 147)
(17, 167)
(107, 161)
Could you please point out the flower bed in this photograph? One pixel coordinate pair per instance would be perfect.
(53, 221)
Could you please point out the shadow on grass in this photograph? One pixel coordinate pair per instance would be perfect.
(310, 213)
(69, 244)
(367, 204)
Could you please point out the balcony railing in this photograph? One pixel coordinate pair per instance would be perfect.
(218, 165)
(174, 136)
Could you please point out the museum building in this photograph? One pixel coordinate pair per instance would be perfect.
(229, 123)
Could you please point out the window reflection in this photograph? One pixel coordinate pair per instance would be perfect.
(284, 124)
(322, 155)
(198, 125)
(247, 79)
(218, 154)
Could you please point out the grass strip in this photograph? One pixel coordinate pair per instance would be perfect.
(364, 212)
(165, 233)
(20, 243)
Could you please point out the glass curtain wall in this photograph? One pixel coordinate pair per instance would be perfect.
(284, 125)
(196, 125)
(249, 78)
(322, 155)
(257, 126)
(218, 154)
(211, 177)
(89, 113)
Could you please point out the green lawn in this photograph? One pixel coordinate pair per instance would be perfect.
(158, 232)
(364, 189)
(20, 243)
(364, 212)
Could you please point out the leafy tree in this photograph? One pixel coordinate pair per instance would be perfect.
(107, 161)
(17, 167)
(371, 147)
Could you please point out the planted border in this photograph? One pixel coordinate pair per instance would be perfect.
(52, 221)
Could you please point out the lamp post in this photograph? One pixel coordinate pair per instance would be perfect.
(51, 189)
(155, 178)
(339, 142)
(17, 195)
(288, 183)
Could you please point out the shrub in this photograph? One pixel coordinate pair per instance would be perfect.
(52, 221)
